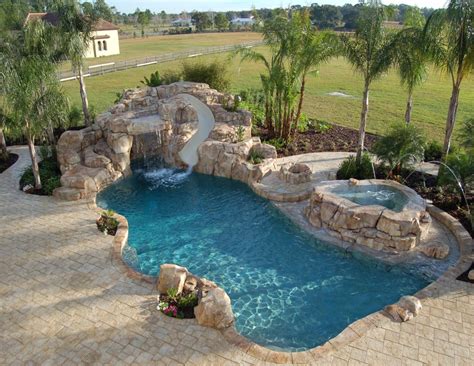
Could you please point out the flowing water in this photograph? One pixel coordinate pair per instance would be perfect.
(289, 291)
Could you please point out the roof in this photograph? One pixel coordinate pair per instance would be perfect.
(105, 36)
(53, 19)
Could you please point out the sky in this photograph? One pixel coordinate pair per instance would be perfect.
(176, 6)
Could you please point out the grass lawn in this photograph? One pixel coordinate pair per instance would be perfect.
(138, 48)
(387, 97)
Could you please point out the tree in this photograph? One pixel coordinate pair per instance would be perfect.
(32, 90)
(449, 39)
(369, 51)
(144, 18)
(413, 17)
(201, 21)
(326, 16)
(411, 62)
(3, 144)
(221, 22)
(102, 10)
(295, 50)
(75, 30)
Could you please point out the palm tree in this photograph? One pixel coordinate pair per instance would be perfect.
(370, 51)
(75, 31)
(3, 143)
(411, 62)
(449, 41)
(32, 90)
(296, 50)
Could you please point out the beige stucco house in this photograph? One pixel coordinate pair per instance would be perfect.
(105, 38)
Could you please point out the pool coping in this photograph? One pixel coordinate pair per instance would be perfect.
(354, 330)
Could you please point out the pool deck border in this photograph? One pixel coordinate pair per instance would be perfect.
(354, 330)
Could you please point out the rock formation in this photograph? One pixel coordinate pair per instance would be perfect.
(157, 122)
(371, 225)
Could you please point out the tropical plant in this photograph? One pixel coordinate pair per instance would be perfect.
(296, 51)
(411, 62)
(255, 157)
(240, 133)
(461, 164)
(3, 143)
(189, 300)
(433, 151)
(350, 168)
(370, 51)
(153, 81)
(75, 35)
(449, 40)
(32, 90)
(466, 135)
(401, 147)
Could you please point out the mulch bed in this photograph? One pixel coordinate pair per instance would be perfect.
(337, 138)
(5, 164)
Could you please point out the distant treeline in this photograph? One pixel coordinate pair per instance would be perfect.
(13, 13)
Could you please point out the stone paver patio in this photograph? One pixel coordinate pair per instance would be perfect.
(63, 300)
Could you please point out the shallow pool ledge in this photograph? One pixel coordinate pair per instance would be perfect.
(353, 331)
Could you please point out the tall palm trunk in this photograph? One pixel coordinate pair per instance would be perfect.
(363, 123)
(409, 107)
(451, 120)
(300, 103)
(34, 161)
(3, 145)
(85, 101)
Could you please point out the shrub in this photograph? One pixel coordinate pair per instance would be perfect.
(349, 168)
(189, 300)
(321, 126)
(107, 223)
(258, 114)
(433, 151)
(49, 173)
(303, 124)
(401, 147)
(215, 74)
(74, 117)
(466, 135)
(239, 133)
(279, 143)
(153, 81)
(462, 164)
(170, 77)
(255, 157)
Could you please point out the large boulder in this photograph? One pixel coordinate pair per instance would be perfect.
(171, 276)
(215, 310)
(435, 250)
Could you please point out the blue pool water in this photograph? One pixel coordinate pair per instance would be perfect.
(289, 291)
(373, 194)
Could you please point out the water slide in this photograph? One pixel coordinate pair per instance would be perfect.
(206, 123)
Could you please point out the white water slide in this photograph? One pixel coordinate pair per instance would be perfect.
(206, 123)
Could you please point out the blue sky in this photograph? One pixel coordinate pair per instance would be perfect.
(177, 6)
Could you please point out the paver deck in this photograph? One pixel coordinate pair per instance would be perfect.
(64, 301)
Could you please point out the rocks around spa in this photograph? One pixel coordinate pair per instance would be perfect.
(214, 306)
(370, 225)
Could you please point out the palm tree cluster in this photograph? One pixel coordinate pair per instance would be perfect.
(446, 39)
(296, 50)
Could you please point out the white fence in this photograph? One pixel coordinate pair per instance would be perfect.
(100, 69)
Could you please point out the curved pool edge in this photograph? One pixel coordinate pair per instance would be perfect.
(354, 330)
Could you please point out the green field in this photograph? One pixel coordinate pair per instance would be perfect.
(387, 97)
(139, 48)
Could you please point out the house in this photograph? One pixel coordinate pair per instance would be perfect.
(243, 22)
(105, 38)
(182, 22)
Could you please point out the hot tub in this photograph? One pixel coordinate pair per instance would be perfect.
(380, 214)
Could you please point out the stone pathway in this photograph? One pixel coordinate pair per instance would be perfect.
(64, 301)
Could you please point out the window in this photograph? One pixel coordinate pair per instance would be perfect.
(105, 46)
(100, 45)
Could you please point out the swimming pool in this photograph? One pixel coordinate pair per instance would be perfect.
(289, 291)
